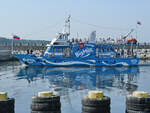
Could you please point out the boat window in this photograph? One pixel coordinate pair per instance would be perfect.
(54, 50)
(66, 52)
(58, 50)
(96, 52)
(107, 49)
(56, 43)
(103, 50)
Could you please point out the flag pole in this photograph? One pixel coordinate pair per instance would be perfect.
(138, 23)
(12, 48)
(136, 31)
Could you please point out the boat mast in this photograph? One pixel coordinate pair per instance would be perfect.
(66, 29)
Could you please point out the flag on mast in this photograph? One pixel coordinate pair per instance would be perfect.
(139, 23)
(16, 37)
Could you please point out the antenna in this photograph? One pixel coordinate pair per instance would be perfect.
(67, 26)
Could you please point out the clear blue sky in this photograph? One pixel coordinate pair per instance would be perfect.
(41, 19)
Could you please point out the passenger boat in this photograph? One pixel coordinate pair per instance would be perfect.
(63, 52)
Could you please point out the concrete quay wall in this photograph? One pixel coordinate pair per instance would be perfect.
(23, 48)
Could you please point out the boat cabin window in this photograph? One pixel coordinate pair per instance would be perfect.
(96, 54)
(103, 50)
(54, 50)
(61, 52)
(107, 49)
(58, 50)
(56, 43)
(66, 52)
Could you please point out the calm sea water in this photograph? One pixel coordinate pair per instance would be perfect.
(72, 84)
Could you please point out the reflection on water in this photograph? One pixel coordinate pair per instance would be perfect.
(77, 78)
(72, 83)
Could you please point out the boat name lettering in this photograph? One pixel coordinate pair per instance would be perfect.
(84, 52)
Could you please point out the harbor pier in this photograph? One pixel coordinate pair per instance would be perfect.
(39, 46)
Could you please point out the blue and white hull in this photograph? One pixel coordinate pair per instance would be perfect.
(43, 61)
